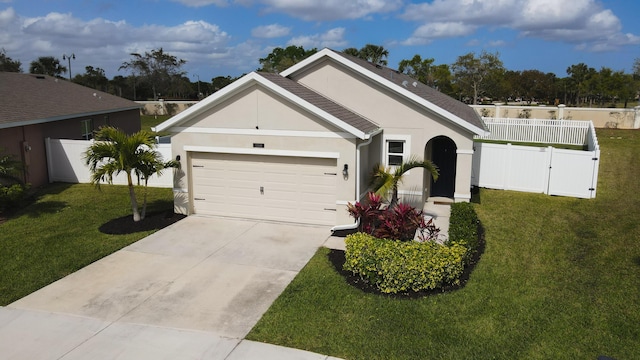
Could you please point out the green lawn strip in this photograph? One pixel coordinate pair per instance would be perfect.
(58, 234)
(559, 278)
(149, 121)
(557, 146)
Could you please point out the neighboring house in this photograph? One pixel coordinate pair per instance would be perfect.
(300, 145)
(34, 107)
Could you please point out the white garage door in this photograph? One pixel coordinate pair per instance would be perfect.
(293, 189)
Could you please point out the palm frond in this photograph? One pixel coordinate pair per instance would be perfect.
(415, 162)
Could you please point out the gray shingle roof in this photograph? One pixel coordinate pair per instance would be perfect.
(32, 99)
(357, 121)
(443, 101)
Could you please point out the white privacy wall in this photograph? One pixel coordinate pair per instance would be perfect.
(65, 161)
(536, 169)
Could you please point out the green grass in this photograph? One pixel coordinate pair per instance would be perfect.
(559, 279)
(58, 234)
(557, 146)
(149, 121)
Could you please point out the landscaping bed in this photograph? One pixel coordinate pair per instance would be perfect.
(410, 267)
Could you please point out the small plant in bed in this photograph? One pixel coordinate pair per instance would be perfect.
(398, 252)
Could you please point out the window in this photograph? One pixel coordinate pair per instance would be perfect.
(396, 149)
(86, 129)
(395, 152)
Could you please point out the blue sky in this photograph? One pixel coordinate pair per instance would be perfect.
(227, 37)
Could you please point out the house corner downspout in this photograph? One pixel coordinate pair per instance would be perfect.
(357, 223)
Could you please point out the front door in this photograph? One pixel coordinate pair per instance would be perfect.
(443, 155)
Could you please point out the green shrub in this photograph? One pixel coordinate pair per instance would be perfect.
(398, 267)
(463, 227)
(171, 108)
(12, 196)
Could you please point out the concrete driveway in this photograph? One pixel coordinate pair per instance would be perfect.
(194, 289)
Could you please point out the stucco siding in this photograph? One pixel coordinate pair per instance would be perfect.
(256, 116)
(395, 114)
(256, 107)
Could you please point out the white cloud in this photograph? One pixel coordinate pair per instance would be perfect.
(270, 31)
(311, 10)
(333, 38)
(327, 10)
(496, 43)
(438, 30)
(582, 22)
(200, 3)
(106, 44)
(475, 11)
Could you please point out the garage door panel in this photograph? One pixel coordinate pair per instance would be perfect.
(294, 189)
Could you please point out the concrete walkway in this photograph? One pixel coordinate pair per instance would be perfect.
(190, 291)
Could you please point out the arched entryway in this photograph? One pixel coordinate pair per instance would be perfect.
(441, 150)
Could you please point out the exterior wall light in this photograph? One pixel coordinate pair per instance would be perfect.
(345, 171)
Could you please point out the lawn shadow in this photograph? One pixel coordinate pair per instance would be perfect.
(30, 206)
(52, 189)
(475, 195)
(153, 221)
(43, 207)
(636, 260)
(160, 205)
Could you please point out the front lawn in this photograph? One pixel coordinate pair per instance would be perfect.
(559, 278)
(58, 234)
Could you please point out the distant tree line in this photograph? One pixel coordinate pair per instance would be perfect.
(472, 78)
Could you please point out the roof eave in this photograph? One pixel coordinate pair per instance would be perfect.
(63, 117)
(406, 93)
(242, 83)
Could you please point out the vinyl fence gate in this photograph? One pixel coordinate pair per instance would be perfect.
(546, 170)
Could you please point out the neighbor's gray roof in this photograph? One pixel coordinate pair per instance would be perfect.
(446, 102)
(357, 121)
(32, 99)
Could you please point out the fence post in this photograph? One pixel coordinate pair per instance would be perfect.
(47, 150)
(636, 121)
(561, 111)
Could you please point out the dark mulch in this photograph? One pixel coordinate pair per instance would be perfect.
(153, 221)
(337, 258)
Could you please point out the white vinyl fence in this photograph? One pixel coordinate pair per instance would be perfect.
(66, 164)
(538, 169)
(538, 130)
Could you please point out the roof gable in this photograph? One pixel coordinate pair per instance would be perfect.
(296, 93)
(443, 105)
(32, 99)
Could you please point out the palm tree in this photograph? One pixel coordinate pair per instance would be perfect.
(152, 165)
(114, 152)
(385, 180)
(375, 54)
(351, 51)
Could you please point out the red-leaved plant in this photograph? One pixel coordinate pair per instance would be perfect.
(399, 222)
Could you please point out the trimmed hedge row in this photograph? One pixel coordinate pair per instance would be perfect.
(463, 228)
(398, 267)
